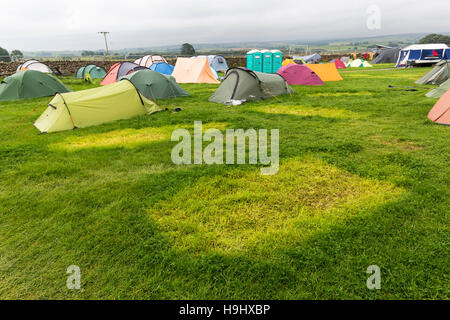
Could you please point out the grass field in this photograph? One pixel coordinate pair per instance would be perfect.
(363, 180)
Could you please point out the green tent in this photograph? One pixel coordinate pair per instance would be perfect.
(439, 91)
(120, 100)
(154, 85)
(244, 84)
(94, 71)
(30, 84)
(438, 75)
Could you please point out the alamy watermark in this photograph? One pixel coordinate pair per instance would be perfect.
(374, 20)
(74, 279)
(235, 147)
(374, 281)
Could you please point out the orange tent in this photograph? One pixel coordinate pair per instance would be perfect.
(194, 70)
(326, 72)
(441, 110)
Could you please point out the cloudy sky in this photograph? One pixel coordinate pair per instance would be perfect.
(73, 24)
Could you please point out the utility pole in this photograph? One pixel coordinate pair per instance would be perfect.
(106, 41)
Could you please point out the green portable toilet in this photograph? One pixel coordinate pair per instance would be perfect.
(267, 61)
(277, 60)
(258, 61)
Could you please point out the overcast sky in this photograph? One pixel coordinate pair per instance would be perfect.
(73, 24)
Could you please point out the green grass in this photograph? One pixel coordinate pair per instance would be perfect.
(363, 180)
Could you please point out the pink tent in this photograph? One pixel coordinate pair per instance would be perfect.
(300, 74)
(339, 64)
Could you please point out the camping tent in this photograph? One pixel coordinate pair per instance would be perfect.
(326, 72)
(30, 84)
(147, 61)
(34, 65)
(162, 67)
(119, 70)
(154, 85)
(94, 71)
(345, 59)
(441, 110)
(422, 54)
(194, 70)
(358, 63)
(288, 62)
(299, 75)
(244, 84)
(313, 58)
(387, 56)
(339, 64)
(439, 91)
(437, 75)
(218, 63)
(120, 100)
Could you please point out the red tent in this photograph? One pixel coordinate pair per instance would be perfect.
(339, 64)
(441, 110)
(119, 70)
(299, 74)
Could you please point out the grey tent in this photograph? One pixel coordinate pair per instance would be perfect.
(154, 85)
(387, 56)
(345, 59)
(313, 58)
(439, 91)
(438, 75)
(244, 84)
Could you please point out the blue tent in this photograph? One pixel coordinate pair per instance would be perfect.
(423, 54)
(217, 63)
(162, 67)
(313, 58)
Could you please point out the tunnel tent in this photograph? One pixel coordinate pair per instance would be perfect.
(162, 67)
(85, 108)
(440, 113)
(119, 70)
(438, 75)
(326, 72)
(30, 84)
(244, 84)
(94, 71)
(387, 56)
(194, 70)
(299, 75)
(154, 85)
(439, 91)
(34, 65)
(147, 61)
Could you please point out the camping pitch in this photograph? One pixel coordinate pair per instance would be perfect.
(326, 72)
(339, 64)
(154, 85)
(91, 107)
(441, 110)
(30, 84)
(439, 91)
(147, 61)
(94, 71)
(34, 65)
(194, 70)
(299, 75)
(244, 84)
(438, 75)
(163, 68)
(119, 70)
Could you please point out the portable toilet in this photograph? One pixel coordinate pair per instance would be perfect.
(277, 60)
(258, 61)
(267, 61)
(251, 59)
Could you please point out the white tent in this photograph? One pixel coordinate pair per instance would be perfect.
(147, 61)
(34, 65)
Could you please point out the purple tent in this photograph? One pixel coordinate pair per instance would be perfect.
(300, 74)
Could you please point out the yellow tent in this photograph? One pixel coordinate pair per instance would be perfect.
(288, 62)
(326, 72)
(120, 100)
(194, 70)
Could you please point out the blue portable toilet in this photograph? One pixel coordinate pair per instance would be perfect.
(267, 61)
(277, 60)
(251, 59)
(258, 61)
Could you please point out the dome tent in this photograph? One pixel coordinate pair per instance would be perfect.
(326, 72)
(194, 70)
(34, 65)
(147, 61)
(438, 75)
(339, 64)
(358, 63)
(155, 86)
(119, 70)
(94, 71)
(439, 91)
(67, 111)
(30, 84)
(440, 113)
(218, 63)
(162, 67)
(299, 75)
(245, 84)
